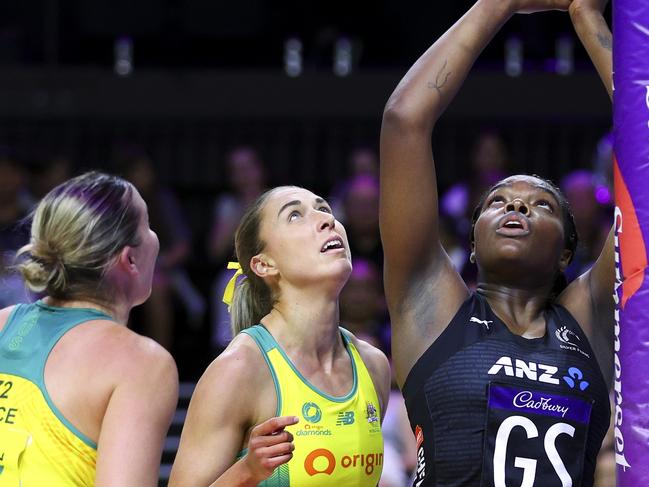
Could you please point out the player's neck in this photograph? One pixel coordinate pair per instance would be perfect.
(310, 326)
(522, 310)
(117, 312)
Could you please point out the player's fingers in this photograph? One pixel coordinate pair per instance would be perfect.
(269, 440)
(273, 424)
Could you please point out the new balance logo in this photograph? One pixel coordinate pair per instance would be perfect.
(481, 322)
(530, 370)
(345, 418)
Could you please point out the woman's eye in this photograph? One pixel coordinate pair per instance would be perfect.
(544, 204)
(326, 209)
(294, 215)
(496, 199)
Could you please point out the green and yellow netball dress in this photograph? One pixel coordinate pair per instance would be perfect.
(338, 440)
(38, 446)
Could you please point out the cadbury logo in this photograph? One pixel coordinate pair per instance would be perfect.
(526, 399)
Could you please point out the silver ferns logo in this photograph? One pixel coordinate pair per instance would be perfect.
(569, 340)
(565, 335)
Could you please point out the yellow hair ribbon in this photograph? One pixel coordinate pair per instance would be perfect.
(228, 294)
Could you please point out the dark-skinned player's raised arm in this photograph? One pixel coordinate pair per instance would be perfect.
(422, 288)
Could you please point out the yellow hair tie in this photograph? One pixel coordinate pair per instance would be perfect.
(228, 294)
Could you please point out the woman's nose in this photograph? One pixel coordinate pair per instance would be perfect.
(517, 205)
(327, 222)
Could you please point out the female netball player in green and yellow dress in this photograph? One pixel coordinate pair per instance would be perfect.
(295, 399)
(83, 400)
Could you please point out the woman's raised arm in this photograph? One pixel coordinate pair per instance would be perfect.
(421, 285)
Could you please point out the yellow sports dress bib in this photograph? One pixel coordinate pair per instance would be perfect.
(338, 440)
(38, 446)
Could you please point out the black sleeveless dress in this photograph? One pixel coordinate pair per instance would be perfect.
(490, 408)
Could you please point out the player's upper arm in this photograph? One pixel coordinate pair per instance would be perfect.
(221, 410)
(408, 203)
(137, 416)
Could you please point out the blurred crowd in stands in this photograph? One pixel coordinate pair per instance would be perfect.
(185, 312)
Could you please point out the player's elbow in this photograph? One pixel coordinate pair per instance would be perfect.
(401, 114)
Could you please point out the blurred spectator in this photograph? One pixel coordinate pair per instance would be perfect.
(393, 474)
(247, 180)
(14, 233)
(361, 218)
(488, 164)
(169, 223)
(12, 287)
(246, 176)
(593, 220)
(362, 161)
(362, 305)
(398, 438)
(603, 169)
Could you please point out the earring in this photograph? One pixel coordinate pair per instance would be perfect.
(472, 258)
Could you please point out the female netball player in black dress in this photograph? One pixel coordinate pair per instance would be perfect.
(501, 385)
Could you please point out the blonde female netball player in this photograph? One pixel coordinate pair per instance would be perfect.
(83, 400)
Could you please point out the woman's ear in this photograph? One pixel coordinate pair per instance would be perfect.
(564, 260)
(263, 266)
(127, 261)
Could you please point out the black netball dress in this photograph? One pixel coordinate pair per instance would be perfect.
(490, 408)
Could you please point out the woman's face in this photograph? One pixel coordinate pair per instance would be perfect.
(521, 231)
(303, 241)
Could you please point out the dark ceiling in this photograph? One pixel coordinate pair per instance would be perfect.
(252, 33)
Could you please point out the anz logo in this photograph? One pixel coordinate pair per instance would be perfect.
(530, 370)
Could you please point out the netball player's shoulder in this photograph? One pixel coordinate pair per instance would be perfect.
(373, 357)
(238, 365)
(132, 355)
(239, 375)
